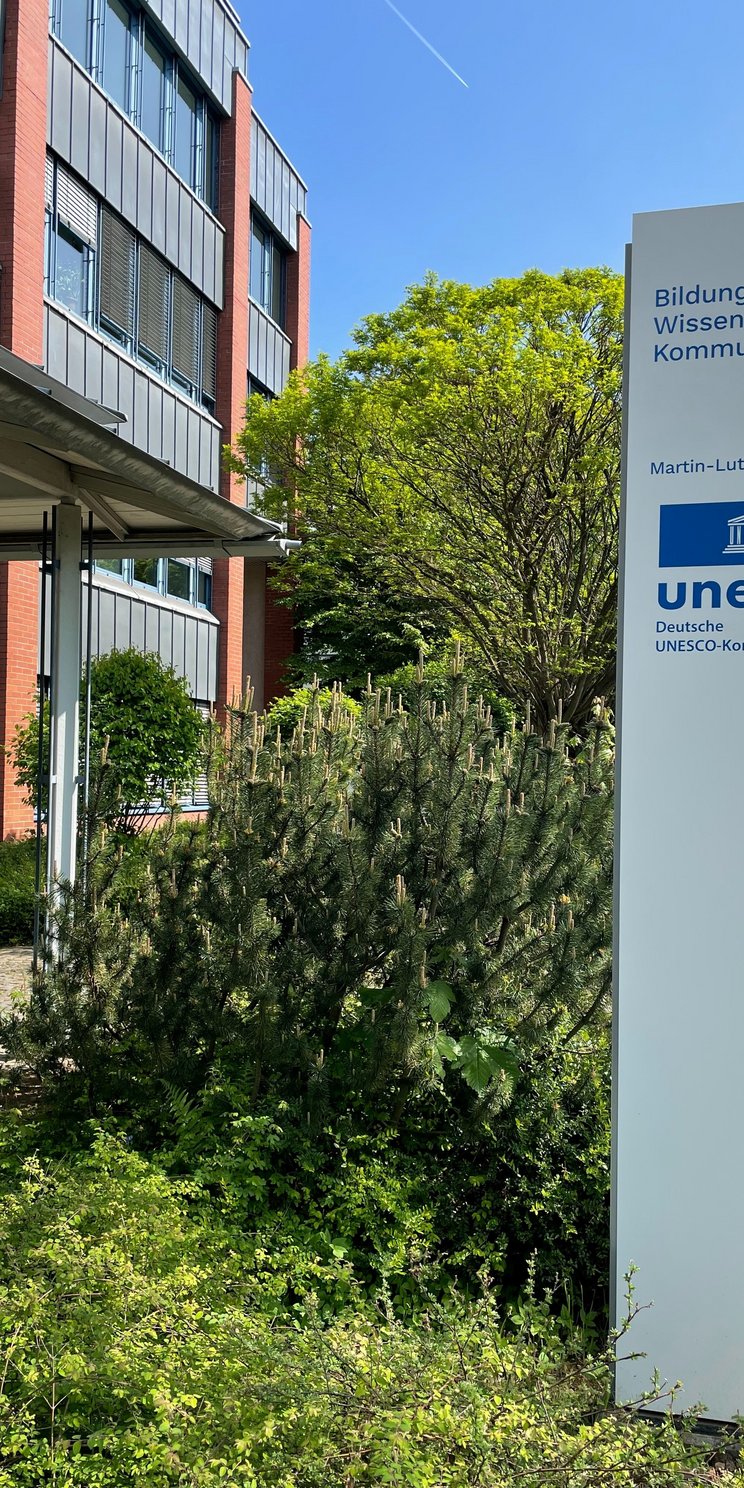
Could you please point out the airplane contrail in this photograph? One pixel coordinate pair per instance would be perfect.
(425, 43)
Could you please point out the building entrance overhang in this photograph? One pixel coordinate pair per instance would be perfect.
(66, 474)
(58, 448)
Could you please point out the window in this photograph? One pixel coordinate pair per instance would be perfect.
(209, 357)
(71, 272)
(70, 20)
(210, 185)
(186, 318)
(178, 578)
(145, 571)
(95, 265)
(204, 583)
(117, 278)
(268, 271)
(117, 52)
(148, 83)
(154, 308)
(71, 241)
(153, 105)
(187, 579)
(184, 150)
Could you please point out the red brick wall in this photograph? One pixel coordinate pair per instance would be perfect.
(280, 643)
(232, 363)
(22, 151)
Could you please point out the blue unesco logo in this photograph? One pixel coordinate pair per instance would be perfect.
(706, 534)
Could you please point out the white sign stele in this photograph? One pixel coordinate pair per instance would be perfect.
(678, 1164)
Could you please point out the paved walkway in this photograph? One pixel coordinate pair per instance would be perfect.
(15, 972)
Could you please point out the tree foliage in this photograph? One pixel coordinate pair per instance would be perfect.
(146, 738)
(466, 452)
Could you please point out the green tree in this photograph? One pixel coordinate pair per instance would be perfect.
(146, 738)
(466, 451)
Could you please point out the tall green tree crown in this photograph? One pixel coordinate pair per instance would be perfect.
(466, 454)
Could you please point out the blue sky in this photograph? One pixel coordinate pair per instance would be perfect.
(574, 118)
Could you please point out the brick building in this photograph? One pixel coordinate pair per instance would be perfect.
(154, 256)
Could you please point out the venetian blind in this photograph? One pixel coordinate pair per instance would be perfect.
(186, 320)
(209, 351)
(117, 256)
(154, 297)
(77, 207)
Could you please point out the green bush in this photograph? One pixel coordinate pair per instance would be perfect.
(287, 712)
(17, 886)
(146, 739)
(135, 1349)
(376, 908)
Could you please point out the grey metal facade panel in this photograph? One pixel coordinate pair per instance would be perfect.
(268, 350)
(106, 637)
(89, 133)
(144, 193)
(130, 151)
(172, 200)
(276, 188)
(179, 642)
(218, 55)
(97, 154)
(58, 120)
(125, 616)
(159, 178)
(114, 152)
(80, 124)
(205, 46)
(185, 255)
(160, 421)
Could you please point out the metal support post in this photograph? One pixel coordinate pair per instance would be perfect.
(65, 699)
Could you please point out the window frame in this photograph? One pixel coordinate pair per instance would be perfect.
(199, 579)
(202, 389)
(101, 8)
(163, 145)
(273, 249)
(56, 22)
(54, 229)
(204, 150)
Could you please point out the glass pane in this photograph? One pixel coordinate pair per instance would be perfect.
(204, 591)
(146, 571)
(70, 280)
(179, 579)
(211, 138)
(258, 253)
(116, 53)
(153, 87)
(111, 565)
(185, 153)
(73, 29)
(277, 284)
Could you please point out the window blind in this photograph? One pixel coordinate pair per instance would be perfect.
(209, 351)
(49, 184)
(117, 258)
(154, 303)
(77, 207)
(186, 318)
